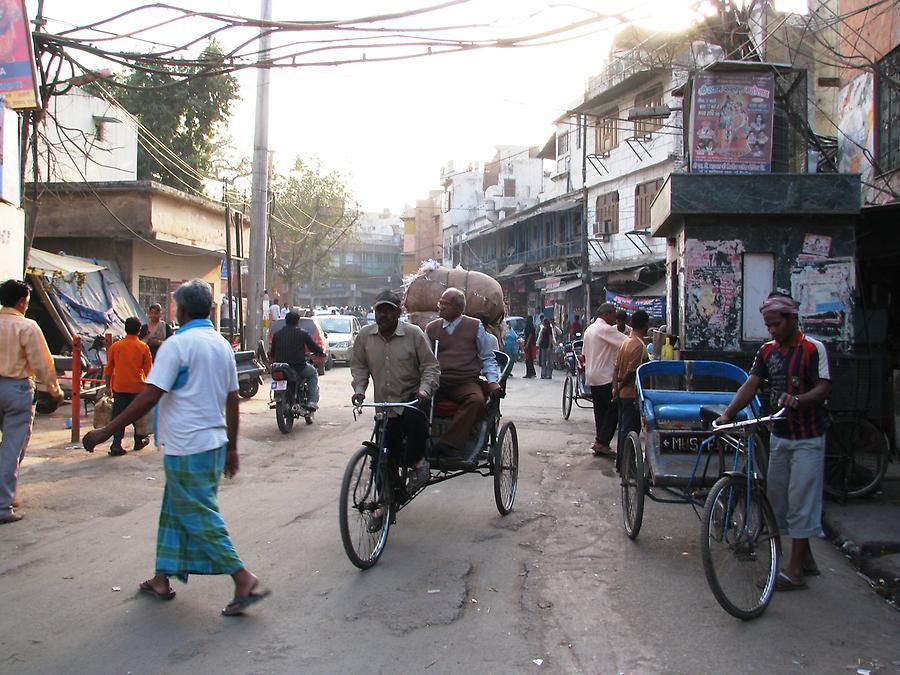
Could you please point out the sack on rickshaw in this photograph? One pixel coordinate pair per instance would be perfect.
(102, 411)
(483, 293)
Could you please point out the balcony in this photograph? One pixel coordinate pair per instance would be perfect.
(566, 249)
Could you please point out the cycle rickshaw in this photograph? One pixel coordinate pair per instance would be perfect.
(680, 457)
(374, 482)
(574, 388)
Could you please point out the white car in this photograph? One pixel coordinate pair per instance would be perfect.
(342, 330)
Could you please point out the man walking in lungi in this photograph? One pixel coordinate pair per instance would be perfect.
(194, 381)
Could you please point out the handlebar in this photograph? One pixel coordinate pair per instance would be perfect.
(719, 428)
(357, 409)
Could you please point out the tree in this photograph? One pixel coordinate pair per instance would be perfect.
(311, 213)
(185, 116)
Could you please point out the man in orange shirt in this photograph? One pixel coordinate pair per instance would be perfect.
(127, 363)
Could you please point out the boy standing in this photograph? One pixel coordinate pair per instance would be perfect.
(128, 362)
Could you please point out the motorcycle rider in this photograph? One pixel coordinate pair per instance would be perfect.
(289, 346)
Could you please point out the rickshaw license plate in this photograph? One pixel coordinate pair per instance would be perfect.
(279, 385)
(684, 442)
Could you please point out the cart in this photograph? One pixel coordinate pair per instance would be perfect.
(679, 457)
(574, 388)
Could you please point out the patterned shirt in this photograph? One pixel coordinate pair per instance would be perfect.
(794, 369)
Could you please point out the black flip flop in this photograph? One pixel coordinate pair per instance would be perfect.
(241, 602)
(147, 587)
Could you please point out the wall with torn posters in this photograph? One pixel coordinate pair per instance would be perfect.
(712, 274)
(824, 288)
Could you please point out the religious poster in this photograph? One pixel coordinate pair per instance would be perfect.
(18, 77)
(713, 294)
(731, 122)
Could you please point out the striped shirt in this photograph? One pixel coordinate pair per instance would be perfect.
(794, 369)
(23, 350)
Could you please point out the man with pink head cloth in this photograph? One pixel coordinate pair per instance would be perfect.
(795, 367)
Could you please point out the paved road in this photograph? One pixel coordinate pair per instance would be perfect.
(555, 586)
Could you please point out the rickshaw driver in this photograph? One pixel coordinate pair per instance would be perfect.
(464, 352)
(399, 360)
(796, 367)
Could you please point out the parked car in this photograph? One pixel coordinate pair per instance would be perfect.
(342, 330)
(312, 326)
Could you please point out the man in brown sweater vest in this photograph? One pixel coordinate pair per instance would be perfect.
(463, 351)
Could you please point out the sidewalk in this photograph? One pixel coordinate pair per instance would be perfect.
(868, 531)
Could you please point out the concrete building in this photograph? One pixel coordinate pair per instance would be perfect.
(158, 236)
(84, 138)
(363, 264)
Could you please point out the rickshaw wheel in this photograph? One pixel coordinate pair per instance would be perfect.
(505, 454)
(567, 396)
(248, 388)
(738, 547)
(634, 485)
(361, 495)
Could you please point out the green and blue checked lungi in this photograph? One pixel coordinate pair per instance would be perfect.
(192, 538)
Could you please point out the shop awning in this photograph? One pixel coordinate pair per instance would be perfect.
(50, 264)
(657, 290)
(509, 270)
(564, 288)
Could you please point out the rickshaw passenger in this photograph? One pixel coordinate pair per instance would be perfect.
(464, 351)
(399, 360)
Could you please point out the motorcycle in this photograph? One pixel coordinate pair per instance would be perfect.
(289, 399)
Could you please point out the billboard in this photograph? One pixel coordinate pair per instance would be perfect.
(655, 306)
(731, 122)
(18, 77)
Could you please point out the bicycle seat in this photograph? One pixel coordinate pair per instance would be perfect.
(710, 413)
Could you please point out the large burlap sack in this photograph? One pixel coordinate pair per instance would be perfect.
(102, 411)
(144, 426)
(483, 293)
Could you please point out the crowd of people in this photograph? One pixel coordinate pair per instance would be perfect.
(189, 377)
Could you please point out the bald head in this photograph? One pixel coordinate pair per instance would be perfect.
(452, 304)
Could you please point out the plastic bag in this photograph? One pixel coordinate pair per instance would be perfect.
(102, 411)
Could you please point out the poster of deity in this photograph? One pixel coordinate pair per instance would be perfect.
(731, 122)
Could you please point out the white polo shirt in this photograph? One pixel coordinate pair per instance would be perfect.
(196, 369)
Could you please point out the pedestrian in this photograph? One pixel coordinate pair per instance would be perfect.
(601, 345)
(632, 353)
(530, 337)
(23, 355)
(274, 311)
(795, 367)
(511, 345)
(545, 344)
(622, 322)
(128, 363)
(194, 382)
(155, 331)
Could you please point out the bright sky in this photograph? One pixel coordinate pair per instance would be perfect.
(389, 127)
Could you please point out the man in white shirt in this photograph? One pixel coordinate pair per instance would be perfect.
(194, 382)
(602, 340)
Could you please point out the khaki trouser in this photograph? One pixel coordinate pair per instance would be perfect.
(470, 399)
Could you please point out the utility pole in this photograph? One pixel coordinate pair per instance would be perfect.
(259, 189)
(585, 249)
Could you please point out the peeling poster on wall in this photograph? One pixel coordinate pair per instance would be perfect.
(713, 294)
(824, 290)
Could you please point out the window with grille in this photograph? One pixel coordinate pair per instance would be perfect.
(562, 140)
(509, 187)
(889, 112)
(154, 290)
(643, 197)
(607, 210)
(606, 133)
(652, 98)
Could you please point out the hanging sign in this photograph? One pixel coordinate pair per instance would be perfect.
(18, 76)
